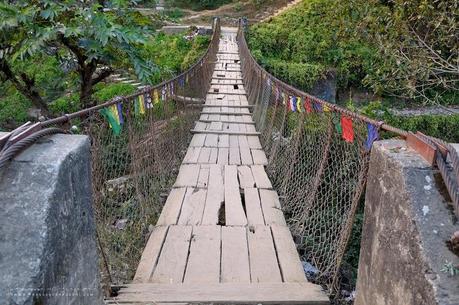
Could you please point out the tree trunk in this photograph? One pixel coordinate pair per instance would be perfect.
(86, 73)
(26, 86)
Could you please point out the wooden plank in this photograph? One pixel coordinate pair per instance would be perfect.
(198, 140)
(246, 156)
(204, 261)
(200, 126)
(243, 141)
(272, 209)
(287, 255)
(188, 175)
(211, 140)
(260, 176)
(223, 141)
(253, 207)
(259, 157)
(204, 155)
(235, 255)
(244, 133)
(263, 260)
(234, 212)
(215, 196)
(216, 126)
(193, 207)
(150, 254)
(172, 260)
(223, 154)
(234, 156)
(213, 155)
(233, 141)
(245, 177)
(192, 155)
(171, 210)
(224, 293)
(254, 142)
(203, 178)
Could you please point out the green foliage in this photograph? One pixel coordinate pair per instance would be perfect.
(198, 48)
(109, 91)
(65, 104)
(13, 109)
(372, 44)
(303, 43)
(445, 127)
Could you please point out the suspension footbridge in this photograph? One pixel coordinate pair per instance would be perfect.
(222, 185)
(221, 236)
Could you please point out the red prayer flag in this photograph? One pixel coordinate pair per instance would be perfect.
(348, 130)
(307, 105)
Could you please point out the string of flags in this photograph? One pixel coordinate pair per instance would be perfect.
(344, 125)
(114, 113)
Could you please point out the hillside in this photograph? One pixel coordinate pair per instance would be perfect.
(396, 49)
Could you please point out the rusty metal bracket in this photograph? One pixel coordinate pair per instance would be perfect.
(425, 149)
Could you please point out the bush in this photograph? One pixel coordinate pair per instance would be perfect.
(109, 91)
(445, 127)
(13, 109)
(65, 104)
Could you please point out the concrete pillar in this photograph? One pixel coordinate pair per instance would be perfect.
(48, 251)
(407, 223)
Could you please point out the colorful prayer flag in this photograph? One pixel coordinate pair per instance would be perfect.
(111, 115)
(307, 105)
(164, 94)
(299, 105)
(139, 105)
(348, 130)
(317, 106)
(119, 107)
(337, 122)
(373, 135)
(292, 103)
(326, 108)
(155, 97)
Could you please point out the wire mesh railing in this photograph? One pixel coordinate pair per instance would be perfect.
(137, 145)
(318, 157)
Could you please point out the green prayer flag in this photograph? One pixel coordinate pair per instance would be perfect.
(111, 118)
(337, 123)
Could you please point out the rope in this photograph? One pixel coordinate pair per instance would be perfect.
(10, 152)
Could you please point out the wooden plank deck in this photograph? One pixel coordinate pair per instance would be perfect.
(222, 237)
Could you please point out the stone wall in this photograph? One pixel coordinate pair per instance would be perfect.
(407, 223)
(48, 252)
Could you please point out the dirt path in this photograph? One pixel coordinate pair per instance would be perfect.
(230, 13)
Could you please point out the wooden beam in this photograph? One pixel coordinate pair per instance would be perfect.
(224, 293)
(235, 133)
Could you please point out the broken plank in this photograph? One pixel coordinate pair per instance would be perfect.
(215, 196)
(260, 176)
(234, 212)
(245, 177)
(253, 207)
(271, 207)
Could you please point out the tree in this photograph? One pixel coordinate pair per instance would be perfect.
(419, 42)
(97, 34)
